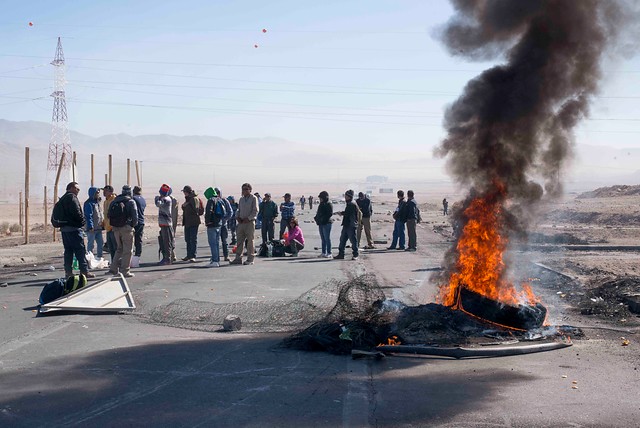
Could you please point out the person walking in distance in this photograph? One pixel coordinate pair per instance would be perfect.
(138, 230)
(445, 207)
(94, 219)
(323, 220)
(71, 230)
(109, 196)
(364, 203)
(310, 202)
(287, 212)
(246, 217)
(302, 202)
(164, 204)
(398, 226)
(269, 211)
(349, 225)
(123, 216)
(411, 218)
(191, 222)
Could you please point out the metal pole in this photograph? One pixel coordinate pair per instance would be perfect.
(55, 188)
(46, 217)
(92, 169)
(106, 179)
(138, 174)
(20, 215)
(110, 170)
(73, 166)
(128, 172)
(26, 195)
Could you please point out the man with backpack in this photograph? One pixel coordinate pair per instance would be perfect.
(364, 203)
(224, 228)
(349, 225)
(214, 217)
(123, 216)
(67, 215)
(109, 196)
(192, 209)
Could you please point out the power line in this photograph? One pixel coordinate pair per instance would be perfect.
(294, 67)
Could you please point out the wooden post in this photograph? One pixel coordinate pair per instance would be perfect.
(46, 211)
(92, 170)
(110, 170)
(128, 172)
(73, 167)
(138, 174)
(106, 179)
(26, 195)
(20, 215)
(55, 188)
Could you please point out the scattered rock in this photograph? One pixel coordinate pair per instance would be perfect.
(232, 323)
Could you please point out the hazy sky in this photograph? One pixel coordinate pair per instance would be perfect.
(351, 74)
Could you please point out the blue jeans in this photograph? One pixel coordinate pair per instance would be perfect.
(267, 230)
(191, 238)
(348, 232)
(213, 236)
(325, 237)
(398, 234)
(73, 243)
(95, 236)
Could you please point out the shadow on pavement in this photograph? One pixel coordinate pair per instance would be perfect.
(237, 380)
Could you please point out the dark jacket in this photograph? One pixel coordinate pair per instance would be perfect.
(210, 217)
(73, 213)
(400, 212)
(350, 215)
(410, 210)
(93, 211)
(365, 207)
(131, 207)
(141, 204)
(190, 215)
(324, 213)
(268, 210)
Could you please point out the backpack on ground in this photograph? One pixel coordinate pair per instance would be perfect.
(58, 215)
(264, 250)
(61, 287)
(200, 207)
(118, 212)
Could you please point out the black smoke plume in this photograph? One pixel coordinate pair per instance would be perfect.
(511, 131)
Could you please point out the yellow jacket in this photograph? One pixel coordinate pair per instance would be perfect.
(107, 202)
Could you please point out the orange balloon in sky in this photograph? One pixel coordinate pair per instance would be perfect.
(30, 24)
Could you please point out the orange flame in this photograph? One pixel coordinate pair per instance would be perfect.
(391, 341)
(480, 266)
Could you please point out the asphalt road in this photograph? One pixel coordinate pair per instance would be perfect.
(114, 370)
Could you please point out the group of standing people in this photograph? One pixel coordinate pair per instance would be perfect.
(122, 219)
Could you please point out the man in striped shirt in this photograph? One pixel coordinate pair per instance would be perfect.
(287, 212)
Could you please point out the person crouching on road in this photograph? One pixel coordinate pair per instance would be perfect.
(323, 220)
(349, 225)
(123, 232)
(294, 241)
(246, 217)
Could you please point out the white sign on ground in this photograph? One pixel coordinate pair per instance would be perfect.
(110, 295)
